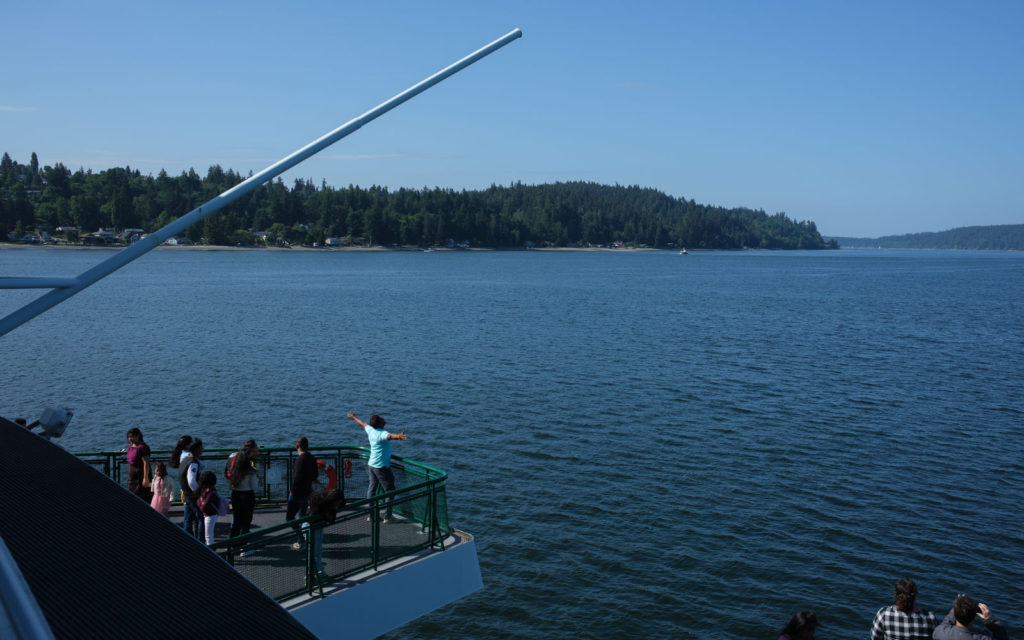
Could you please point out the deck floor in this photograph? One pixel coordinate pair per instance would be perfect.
(278, 568)
(271, 516)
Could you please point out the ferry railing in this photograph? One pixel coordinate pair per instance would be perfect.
(358, 540)
(275, 467)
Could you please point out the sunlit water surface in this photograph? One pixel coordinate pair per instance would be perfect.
(645, 445)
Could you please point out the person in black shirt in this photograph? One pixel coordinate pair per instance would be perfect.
(303, 476)
(958, 622)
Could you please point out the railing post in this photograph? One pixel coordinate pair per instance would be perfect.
(430, 520)
(312, 575)
(437, 521)
(288, 473)
(341, 473)
(374, 533)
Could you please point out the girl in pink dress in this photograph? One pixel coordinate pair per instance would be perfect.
(161, 489)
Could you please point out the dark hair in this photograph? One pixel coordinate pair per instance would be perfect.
(207, 479)
(801, 625)
(244, 463)
(161, 469)
(184, 442)
(964, 610)
(196, 447)
(302, 443)
(906, 594)
(134, 431)
(377, 422)
(326, 504)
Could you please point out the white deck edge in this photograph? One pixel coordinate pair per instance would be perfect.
(375, 602)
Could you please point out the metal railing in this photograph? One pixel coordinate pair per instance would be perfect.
(366, 533)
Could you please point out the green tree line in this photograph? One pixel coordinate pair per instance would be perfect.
(34, 197)
(1002, 237)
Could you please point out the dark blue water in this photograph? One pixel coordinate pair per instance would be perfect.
(646, 445)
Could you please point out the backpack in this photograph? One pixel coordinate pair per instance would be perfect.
(207, 505)
(183, 478)
(229, 466)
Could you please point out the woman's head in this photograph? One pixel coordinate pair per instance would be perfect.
(801, 626)
(207, 480)
(134, 435)
(196, 448)
(184, 442)
(244, 463)
(906, 594)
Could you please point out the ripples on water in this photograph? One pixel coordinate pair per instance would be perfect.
(644, 444)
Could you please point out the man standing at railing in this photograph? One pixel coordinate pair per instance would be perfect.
(303, 476)
(379, 464)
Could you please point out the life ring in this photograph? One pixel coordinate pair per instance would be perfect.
(332, 475)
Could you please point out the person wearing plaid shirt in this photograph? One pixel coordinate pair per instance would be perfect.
(903, 621)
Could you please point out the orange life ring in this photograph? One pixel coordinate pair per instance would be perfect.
(332, 475)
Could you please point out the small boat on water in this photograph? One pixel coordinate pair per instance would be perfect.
(683, 251)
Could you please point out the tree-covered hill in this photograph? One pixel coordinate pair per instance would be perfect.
(34, 198)
(1004, 237)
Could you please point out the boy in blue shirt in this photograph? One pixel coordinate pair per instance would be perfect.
(379, 464)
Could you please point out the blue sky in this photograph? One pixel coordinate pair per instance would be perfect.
(869, 118)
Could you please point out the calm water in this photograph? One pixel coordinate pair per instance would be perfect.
(646, 445)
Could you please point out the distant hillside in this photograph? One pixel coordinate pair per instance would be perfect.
(38, 202)
(1004, 237)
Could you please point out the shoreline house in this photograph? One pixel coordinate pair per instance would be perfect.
(131, 236)
(98, 238)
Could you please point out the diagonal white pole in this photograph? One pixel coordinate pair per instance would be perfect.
(64, 288)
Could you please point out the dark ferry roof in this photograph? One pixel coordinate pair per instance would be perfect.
(103, 564)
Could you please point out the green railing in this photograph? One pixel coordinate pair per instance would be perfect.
(357, 541)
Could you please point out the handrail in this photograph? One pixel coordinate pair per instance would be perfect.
(64, 288)
(419, 505)
(111, 463)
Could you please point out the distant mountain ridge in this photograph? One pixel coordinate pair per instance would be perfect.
(1002, 237)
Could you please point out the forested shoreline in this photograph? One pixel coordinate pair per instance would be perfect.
(52, 201)
(1002, 237)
